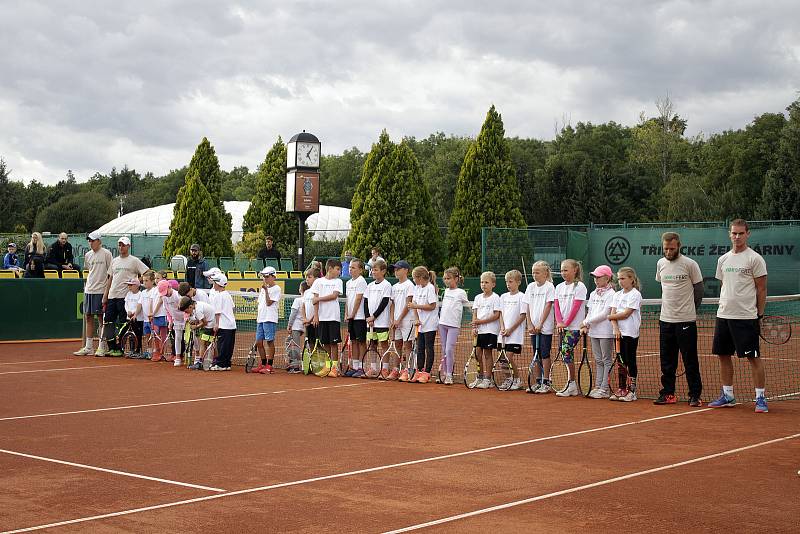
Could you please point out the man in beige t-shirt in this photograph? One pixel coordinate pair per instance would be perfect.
(97, 261)
(742, 298)
(123, 268)
(681, 296)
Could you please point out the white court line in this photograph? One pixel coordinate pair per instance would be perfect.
(112, 471)
(350, 473)
(36, 361)
(62, 369)
(167, 403)
(590, 486)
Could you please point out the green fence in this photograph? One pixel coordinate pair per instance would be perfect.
(38, 308)
(141, 244)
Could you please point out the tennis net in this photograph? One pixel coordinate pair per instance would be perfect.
(782, 362)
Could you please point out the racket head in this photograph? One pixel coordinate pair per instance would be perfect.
(371, 362)
(306, 357)
(252, 357)
(619, 365)
(559, 375)
(168, 346)
(390, 360)
(208, 354)
(535, 369)
(128, 344)
(320, 360)
(503, 371)
(412, 357)
(775, 330)
(585, 370)
(472, 369)
(345, 354)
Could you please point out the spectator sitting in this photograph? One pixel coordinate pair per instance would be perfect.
(10, 260)
(195, 266)
(59, 256)
(269, 251)
(34, 257)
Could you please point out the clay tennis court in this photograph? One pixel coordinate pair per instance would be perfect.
(114, 445)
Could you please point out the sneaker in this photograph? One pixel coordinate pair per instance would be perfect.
(259, 369)
(448, 380)
(629, 397)
(516, 385)
(267, 370)
(483, 383)
(474, 383)
(293, 370)
(350, 372)
(177, 362)
(506, 385)
(145, 355)
(215, 367)
(196, 366)
(416, 377)
(403, 376)
(544, 388)
(100, 352)
(114, 353)
(422, 377)
(85, 351)
(617, 395)
(761, 405)
(384, 374)
(358, 373)
(599, 393)
(723, 401)
(571, 391)
(695, 402)
(394, 374)
(665, 399)
(224, 369)
(334, 372)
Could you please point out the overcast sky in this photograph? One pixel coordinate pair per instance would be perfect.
(87, 85)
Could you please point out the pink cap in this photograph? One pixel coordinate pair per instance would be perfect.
(603, 270)
(173, 283)
(163, 287)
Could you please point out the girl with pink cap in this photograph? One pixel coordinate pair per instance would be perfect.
(600, 329)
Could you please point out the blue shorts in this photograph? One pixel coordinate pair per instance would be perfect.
(146, 328)
(545, 342)
(266, 331)
(160, 321)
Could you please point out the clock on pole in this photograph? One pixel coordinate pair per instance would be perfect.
(303, 153)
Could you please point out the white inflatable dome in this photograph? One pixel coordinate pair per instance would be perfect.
(332, 222)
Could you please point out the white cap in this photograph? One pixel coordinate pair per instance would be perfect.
(211, 272)
(220, 279)
(124, 240)
(93, 236)
(266, 271)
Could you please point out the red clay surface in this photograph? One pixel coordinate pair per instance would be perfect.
(270, 430)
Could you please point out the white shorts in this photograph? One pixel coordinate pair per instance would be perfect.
(403, 331)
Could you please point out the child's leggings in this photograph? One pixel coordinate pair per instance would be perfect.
(179, 343)
(425, 342)
(603, 352)
(627, 347)
(448, 336)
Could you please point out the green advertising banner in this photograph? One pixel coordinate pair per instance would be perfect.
(640, 248)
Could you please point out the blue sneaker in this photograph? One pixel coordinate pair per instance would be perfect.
(723, 401)
(761, 405)
(358, 374)
(350, 372)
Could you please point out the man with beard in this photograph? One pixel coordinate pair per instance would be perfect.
(195, 266)
(681, 296)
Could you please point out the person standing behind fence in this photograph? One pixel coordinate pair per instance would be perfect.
(681, 296)
(122, 268)
(195, 266)
(98, 261)
(742, 299)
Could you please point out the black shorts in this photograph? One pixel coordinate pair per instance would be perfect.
(357, 328)
(311, 334)
(738, 336)
(514, 348)
(92, 303)
(329, 332)
(487, 341)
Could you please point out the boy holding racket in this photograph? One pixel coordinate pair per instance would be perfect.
(539, 297)
(402, 324)
(327, 317)
(486, 324)
(742, 299)
(376, 309)
(267, 320)
(354, 315)
(512, 320)
(200, 318)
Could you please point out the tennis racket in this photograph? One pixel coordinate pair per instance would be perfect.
(412, 358)
(559, 372)
(371, 362)
(252, 358)
(535, 369)
(585, 375)
(292, 351)
(503, 369)
(390, 361)
(189, 338)
(440, 374)
(472, 369)
(320, 361)
(129, 343)
(619, 365)
(775, 330)
(306, 356)
(208, 354)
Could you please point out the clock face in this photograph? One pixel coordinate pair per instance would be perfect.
(308, 154)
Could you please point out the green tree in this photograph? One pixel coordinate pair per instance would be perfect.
(528, 156)
(781, 195)
(486, 195)
(379, 150)
(76, 213)
(196, 219)
(267, 211)
(339, 175)
(238, 184)
(205, 162)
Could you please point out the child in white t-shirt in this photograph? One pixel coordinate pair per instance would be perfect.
(402, 320)
(600, 330)
(377, 297)
(327, 315)
(133, 308)
(570, 311)
(627, 318)
(423, 304)
(295, 327)
(512, 323)
(486, 325)
(269, 296)
(450, 316)
(539, 298)
(356, 320)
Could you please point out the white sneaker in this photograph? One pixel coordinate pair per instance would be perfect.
(215, 367)
(85, 351)
(516, 384)
(448, 380)
(599, 393)
(571, 391)
(544, 389)
(484, 384)
(101, 351)
(631, 396)
(474, 383)
(506, 385)
(178, 362)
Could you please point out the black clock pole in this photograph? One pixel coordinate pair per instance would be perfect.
(301, 247)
